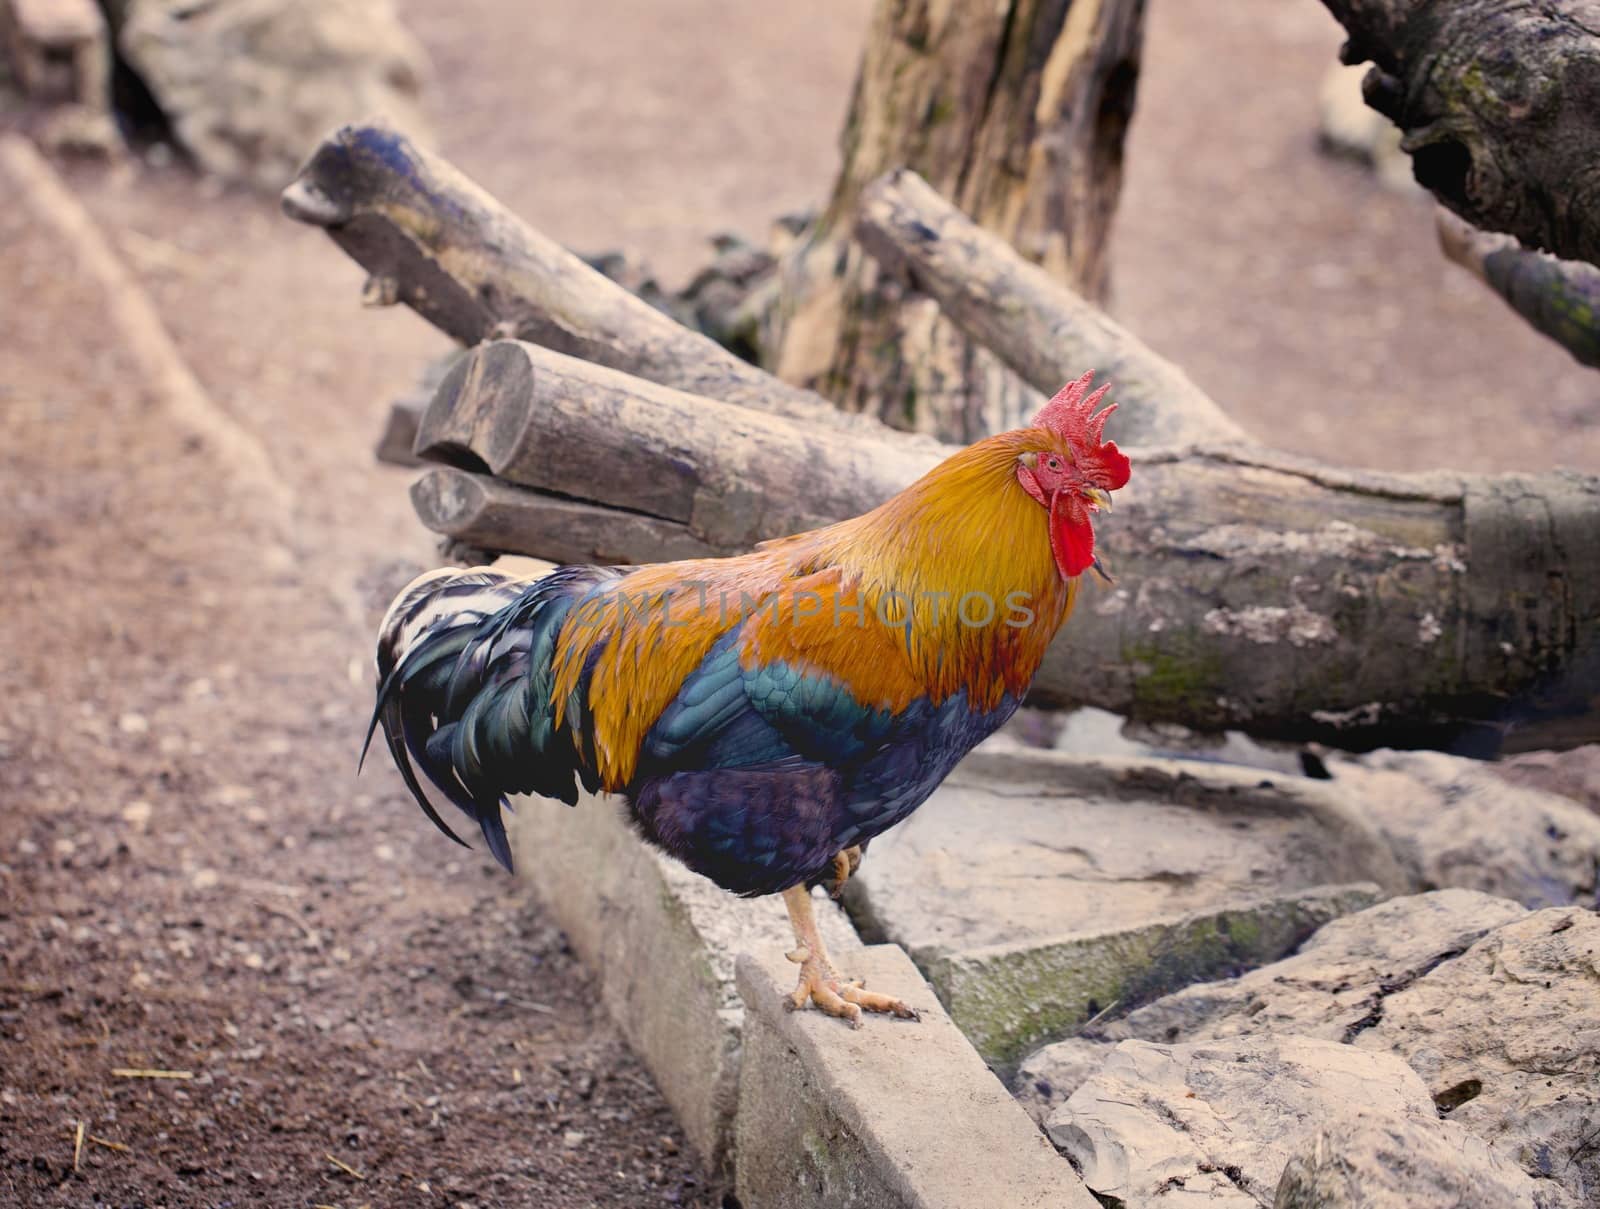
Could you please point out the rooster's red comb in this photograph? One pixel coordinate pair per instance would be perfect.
(1071, 416)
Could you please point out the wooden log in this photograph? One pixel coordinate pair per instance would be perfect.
(1259, 592)
(731, 475)
(396, 443)
(1558, 298)
(490, 514)
(1037, 325)
(1017, 111)
(1498, 103)
(436, 241)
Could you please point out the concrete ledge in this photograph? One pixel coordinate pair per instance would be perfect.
(661, 942)
(895, 1114)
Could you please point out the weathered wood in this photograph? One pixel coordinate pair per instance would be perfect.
(1558, 298)
(489, 514)
(1040, 328)
(1263, 592)
(733, 476)
(1015, 110)
(1499, 106)
(399, 436)
(436, 241)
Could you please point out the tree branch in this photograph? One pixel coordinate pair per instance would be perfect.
(1559, 298)
(1034, 323)
(1263, 592)
(1498, 103)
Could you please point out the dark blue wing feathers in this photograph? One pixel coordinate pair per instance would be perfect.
(757, 776)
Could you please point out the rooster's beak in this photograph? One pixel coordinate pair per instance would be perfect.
(1099, 498)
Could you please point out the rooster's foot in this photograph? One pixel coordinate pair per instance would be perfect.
(841, 997)
(823, 985)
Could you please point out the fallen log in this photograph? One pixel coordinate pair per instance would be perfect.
(399, 436)
(1498, 103)
(1032, 321)
(434, 240)
(1260, 592)
(491, 515)
(733, 476)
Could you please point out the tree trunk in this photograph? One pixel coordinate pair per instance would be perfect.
(1498, 103)
(1262, 592)
(1015, 110)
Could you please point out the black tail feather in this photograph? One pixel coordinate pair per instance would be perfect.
(465, 693)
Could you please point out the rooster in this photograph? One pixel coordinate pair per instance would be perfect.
(764, 716)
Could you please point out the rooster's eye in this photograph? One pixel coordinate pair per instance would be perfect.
(1053, 464)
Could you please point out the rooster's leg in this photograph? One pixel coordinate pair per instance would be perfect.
(820, 982)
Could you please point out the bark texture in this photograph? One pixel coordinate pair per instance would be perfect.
(1558, 298)
(1498, 102)
(1259, 591)
(1015, 110)
(1033, 322)
(435, 241)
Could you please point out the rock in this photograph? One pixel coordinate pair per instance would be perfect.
(897, 1114)
(1219, 1120)
(60, 51)
(1038, 891)
(1049, 1075)
(1507, 1038)
(1326, 990)
(1089, 731)
(251, 85)
(1372, 1164)
(1332, 985)
(1494, 1007)
(1453, 822)
(1571, 774)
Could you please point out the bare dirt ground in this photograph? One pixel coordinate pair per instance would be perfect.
(192, 879)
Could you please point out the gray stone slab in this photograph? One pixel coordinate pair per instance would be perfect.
(661, 943)
(1038, 890)
(895, 1115)
(1386, 1164)
(1492, 1006)
(1218, 1122)
(1328, 989)
(1455, 822)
